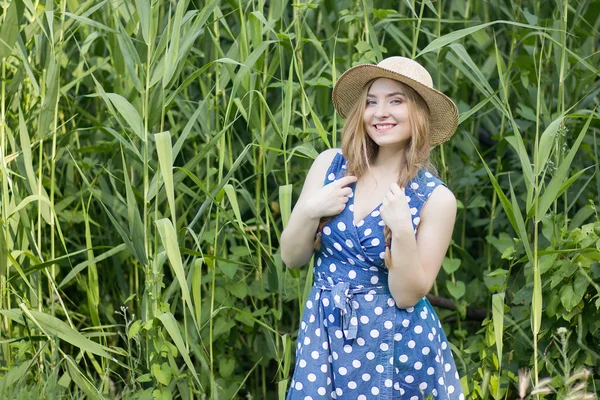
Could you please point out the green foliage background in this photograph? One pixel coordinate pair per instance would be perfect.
(151, 152)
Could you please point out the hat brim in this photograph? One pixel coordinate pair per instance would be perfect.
(442, 110)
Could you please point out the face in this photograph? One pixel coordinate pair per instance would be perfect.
(386, 114)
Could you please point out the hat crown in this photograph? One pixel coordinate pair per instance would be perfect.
(409, 68)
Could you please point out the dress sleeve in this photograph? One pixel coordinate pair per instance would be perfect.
(336, 170)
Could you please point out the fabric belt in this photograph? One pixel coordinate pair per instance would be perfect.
(343, 293)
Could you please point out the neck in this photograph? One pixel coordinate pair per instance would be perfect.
(389, 159)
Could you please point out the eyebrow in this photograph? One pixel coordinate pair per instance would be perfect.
(390, 94)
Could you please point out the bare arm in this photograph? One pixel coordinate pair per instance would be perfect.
(416, 261)
(315, 201)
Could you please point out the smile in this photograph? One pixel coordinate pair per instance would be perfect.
(384, 127)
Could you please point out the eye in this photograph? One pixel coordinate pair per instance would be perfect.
(396, 101)
(370, 102)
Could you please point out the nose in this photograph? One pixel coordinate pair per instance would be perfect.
(381, 111)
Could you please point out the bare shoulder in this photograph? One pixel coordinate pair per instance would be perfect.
(441, 204)
(316, 174)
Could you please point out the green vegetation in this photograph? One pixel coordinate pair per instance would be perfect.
(151, 151)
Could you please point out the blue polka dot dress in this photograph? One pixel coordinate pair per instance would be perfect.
(353, 342)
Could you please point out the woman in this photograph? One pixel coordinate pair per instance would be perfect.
(382, 224)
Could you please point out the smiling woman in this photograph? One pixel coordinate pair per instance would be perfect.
(382, 223)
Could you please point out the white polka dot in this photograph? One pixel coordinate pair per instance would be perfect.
(381, 223)
(338, 334)
(327, 230)
(378, 310)
(375, 242)
(388, 324)
(311, 319)
(314, 354)
(418, 365)
(353, 321)
(299, 386)
(321, 391)
(360, 223)
(444, 345)
(418, 329)
(368, 231)
(384, 346)
(312, 377)
(398, 337)
(374, 279)
(337, 246)
(331, 176)
(323, 368)
(339, 391)
(423, 315)
(450, 389)
(403, 358)
(414, 185)
(351, 385)
(351, 261)
(414, 398)
(417, 220)
(382, 255)
(332, 268)
(409, 379)
(325, 302)
(325, 345)
(360, 341)
(368, 297)
(375, 391)
(391, 302)
(441, 380)
(370, 355)
(364, 319)
(352, 274)
(411, 344)
(374, 333)
(306, 340)
(351, 207)
(430, 336)
(309, 304)
(397, 386)
(360, 257)
(335, 355)
(427, 174)
(405, 323)
(423, 385)
(341, 226)
(349, 243)
(342, 371)
(379, 368)
(366, 377)
(348, 348)
(302, 363)
(447, 367)
(413, 211)
(431, 184)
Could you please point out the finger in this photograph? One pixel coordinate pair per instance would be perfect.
(346, 191)
(397, 190)
(346, 180)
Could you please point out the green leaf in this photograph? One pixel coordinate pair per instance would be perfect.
(10, 27)
(168, 237)
(450, 265)
(165, 159)
(129, 114)
(555, 186)
(55, 327)
(546, 144)
(239, 289)
(285, 203)
(170, 324)
(498, 318)
(144, 9)
(13, 375)
(457, 290)
(226, 366)
(162, 373)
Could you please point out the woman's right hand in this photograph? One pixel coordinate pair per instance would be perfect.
(330, 199)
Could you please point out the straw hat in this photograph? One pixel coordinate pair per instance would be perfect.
(442, 110)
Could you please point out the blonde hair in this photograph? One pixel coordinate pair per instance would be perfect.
(361, 150)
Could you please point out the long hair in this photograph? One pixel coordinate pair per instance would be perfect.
(361, 150)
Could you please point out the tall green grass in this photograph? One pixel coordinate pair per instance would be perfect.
(151, 153)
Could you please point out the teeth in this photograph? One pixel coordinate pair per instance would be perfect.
(384, 126)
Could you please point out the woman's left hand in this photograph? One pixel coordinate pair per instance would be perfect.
(395, 210)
